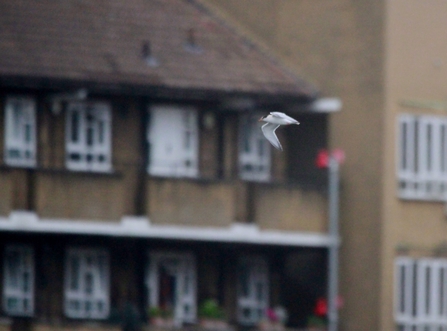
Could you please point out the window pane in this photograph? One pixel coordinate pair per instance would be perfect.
(259, 292)
(74, 305)
(244, 281)
(75, 122)
(12, 304)
(416, 146)
(14, 153)
(89, 137)
(100, 306)
(404, 142)
(28, 137)
(261, 147)
(17, 119)
(402, 287)
(26, 282)
(427, 289)
(442, 151)
(88, 281)
(101, 132)
(12, 266)
(247, 135)
(88, 307)
(429, 144)
(441, 290)
(75, 273)
(102, 268)
(187, 139)
(414, 290)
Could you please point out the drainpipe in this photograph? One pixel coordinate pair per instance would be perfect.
(332, 160)
(333, 191)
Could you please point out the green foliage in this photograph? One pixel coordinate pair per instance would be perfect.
(316, 321)
(211, 309)
(156, 311)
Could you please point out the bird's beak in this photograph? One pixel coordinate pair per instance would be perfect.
(260, 119)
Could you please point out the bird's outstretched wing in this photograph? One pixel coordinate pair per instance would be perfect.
(277, 114)
(285, 117)
(268, 130)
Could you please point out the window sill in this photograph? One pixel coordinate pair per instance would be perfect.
(271, 183)
(409, 198)
(64, 171)
(200, 180)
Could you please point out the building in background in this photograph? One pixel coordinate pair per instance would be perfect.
(134, 172)
(386, 61)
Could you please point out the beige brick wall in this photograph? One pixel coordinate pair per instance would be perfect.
(339, 46)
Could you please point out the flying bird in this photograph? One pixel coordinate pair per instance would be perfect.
(274, 120)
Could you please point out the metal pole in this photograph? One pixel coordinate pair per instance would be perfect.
(333, 192)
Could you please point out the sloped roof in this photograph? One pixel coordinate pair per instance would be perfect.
(102, 41)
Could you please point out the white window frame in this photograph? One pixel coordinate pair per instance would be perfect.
(422, 157)
(182, 266)
(20, 132)
(18, 284)
(86, 283)
(254, 150)
(173, 136)
(252, 304)
(420, 294)
(88, 142)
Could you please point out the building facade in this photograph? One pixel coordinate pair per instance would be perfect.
(134, 172)
(386, 61)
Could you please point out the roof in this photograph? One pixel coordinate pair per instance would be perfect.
(166, 43)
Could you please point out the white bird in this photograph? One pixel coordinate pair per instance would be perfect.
(274, 120)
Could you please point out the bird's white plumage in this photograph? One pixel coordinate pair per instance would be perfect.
(268, 129)
(274, 120)
(280, 118)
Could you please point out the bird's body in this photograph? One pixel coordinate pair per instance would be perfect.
(273, 121)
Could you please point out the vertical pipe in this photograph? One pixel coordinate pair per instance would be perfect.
(333, 249)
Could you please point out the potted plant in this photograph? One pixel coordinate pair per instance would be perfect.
(315, 322)
(211, 315)
(160, 316)
(319, 320)
(274, 319)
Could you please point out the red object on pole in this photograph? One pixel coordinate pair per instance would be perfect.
(321, 307)
(322, 160)
(339, 155)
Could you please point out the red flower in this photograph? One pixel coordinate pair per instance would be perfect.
(321, 307)
(322, 160)
(272, 315)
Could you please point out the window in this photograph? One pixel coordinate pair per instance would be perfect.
(88, 137)
(173, 142)
(20, 132)
(171, 284)
(421, 294)
(87, 284)
(18, 281)
(254, 150)
(252, 289)
(422, 157)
